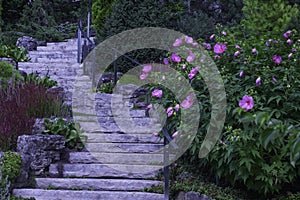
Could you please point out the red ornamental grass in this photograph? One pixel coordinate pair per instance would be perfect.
(19, 106)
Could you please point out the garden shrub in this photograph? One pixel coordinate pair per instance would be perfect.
(4, 186)
(8, 74)
(46, 81)
(11, 165)
(100, 9)
(126, 15)
(17, 54)
(261, 141)
(261, 16)
(223, 12)
(70, 130)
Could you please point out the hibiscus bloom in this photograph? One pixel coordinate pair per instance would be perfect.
(143, 76)
(147, 68)
(189, 40)
(170, 111)
(166, 61)
(177, 42)
(219, 48)
(175, 58)
(176, 134)
(247, 102)
(207, 46)
(277, 59)
(176, 107)
(258, 81)
(191, 57)
(287, 34)
(241, 74)
(189, 101)
(157, 93)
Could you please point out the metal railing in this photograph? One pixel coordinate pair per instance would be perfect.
(88, 44)
(167, 138)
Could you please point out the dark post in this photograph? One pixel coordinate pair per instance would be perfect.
(79, 42)
(166, 167)
(115, 69)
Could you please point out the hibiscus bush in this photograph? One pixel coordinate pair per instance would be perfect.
(260, 144)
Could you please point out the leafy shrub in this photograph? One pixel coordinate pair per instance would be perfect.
(8, 74)
(223, 12)
(4, 186)
(17, 54)
(106, 88)
(46, 81)
(11, 165)
(19, 106)
(100, 9)
(260, 144)
(69, 130)
(261, 16)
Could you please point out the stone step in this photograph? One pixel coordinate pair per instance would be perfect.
(96, 127)
(43, 54)
(34, 66)
(116, 158)
(95, 184)
(104, 171)
(72, 48)
(54, 60)
(40, 194)
(107, 112)
(122, 138)
(123, 147)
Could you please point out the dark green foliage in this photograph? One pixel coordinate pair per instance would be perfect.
(69, 130)
(128, 14)
(11, 12)
(197, 24)
(17, 54)
(106, 88)
(223, 12)
(11, 165)
(44, 20)
(262, 17)
(46, 81)
(4, 186)
(8, 74)
(100, 9)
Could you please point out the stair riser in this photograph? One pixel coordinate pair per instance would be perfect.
(105, 171)
(81, 195)
(96, 184)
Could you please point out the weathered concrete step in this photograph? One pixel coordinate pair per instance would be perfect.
(116, 158)
(107, 112)
(58, 48)
(96, 127)
(40, 194)
(122, 138)
(95, 184)
(32, 65)
(45, 54)
(122, 147)
(105, 171)
(54, 60)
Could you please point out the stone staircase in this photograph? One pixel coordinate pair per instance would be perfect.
(123, 157)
